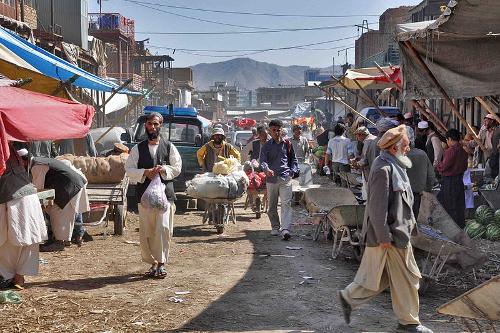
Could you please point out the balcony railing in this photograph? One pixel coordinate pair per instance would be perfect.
(137, 80)
(111, 22)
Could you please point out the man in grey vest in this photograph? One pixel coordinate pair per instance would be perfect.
(151, 158)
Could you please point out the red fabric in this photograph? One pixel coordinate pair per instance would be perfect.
(454, 161)
(395, 76)
(30, 116)
(245, 122)
(257, 179)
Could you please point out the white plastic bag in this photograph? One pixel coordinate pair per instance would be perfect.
(154, 196)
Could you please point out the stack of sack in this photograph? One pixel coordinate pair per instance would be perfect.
(99, 170)
(228, 181)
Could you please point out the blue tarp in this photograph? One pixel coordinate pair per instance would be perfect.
(50, 65)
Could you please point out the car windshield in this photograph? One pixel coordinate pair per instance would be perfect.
(242, 138)
(181, 133)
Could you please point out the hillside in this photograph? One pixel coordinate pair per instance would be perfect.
(247, 74)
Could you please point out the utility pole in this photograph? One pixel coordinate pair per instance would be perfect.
(22, 10)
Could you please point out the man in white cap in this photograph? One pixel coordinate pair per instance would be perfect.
(433, 146)
(22, 225)
(217, 147)
(151, 158)
(388, 260)
(71, 198)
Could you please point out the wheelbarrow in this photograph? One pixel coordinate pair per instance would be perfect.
(346, 222)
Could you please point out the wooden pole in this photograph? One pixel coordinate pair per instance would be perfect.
(431, 115)
(115, 91)
(488, 108)
(344, 103)
(443, 92)
(382, 113)
(339, 81)
(130, 107)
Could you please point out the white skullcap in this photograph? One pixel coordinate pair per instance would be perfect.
(423, 125)
(22, 152)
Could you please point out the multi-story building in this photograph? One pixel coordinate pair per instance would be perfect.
(379, 45)
(19, 16)
(427, 10)
(209, 103)
(229, 93)
(286, 96)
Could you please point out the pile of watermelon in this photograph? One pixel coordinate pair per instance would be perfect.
(486, 224)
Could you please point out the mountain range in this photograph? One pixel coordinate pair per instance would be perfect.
(248, 74)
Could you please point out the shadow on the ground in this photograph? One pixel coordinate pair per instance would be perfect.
(89, 283)
(259, 300)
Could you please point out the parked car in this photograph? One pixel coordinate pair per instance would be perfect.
(239, 139)
(116, 134)
(373, 114)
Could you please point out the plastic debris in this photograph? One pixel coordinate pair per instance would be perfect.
(176, 299)
(182, 292)
(294, 248)
(10, 297)
(43, 261)
(96, 311)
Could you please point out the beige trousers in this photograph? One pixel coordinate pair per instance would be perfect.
(394, 268)
(62, 221)
(155, 233)
(22, 260)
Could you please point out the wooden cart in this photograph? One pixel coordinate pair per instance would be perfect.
(108, 201)
(346, 222)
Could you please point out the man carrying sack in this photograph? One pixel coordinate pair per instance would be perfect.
(154, 157)
(388, 225)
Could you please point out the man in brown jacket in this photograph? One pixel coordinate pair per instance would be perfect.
(389, 223)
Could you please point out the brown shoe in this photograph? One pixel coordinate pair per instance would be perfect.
(56, 246)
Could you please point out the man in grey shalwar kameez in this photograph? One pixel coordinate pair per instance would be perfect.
(388, 259)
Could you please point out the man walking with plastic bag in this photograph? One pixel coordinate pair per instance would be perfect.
(153, 164)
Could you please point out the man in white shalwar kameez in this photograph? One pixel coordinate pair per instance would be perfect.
(148, 159)
(22, 226)
(70, 195)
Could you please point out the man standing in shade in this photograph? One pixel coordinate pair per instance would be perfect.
(388, 259)
(300, 144)
(452, 169)
(151, 158)
(278, 161)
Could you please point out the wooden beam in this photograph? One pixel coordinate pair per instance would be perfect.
(421, 62)
(382, 113)
(339, 81)
(344, 103)
(488, 108)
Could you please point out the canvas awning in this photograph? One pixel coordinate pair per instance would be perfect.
(29, 116)
(460, 48)
(16, 53)
(367, 78)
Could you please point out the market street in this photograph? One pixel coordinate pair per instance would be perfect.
(243, 281)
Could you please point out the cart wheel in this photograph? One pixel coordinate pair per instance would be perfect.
(220, 229)
(119, 213)
(258, 207)
(201, 204)
(358, 250)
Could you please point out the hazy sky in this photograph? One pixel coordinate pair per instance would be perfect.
(151, 17)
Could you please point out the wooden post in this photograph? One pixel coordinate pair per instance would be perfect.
(435, 118)
(382, 113)
(443, 92)
(344, 103)
(488, 108)
(339, 81)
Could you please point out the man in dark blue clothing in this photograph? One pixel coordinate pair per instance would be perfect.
(278, 161)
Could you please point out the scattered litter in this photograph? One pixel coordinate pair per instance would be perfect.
(302, 271)
(308, 278)
(276, 255)
(138, 323)
(182, 292)
(96, 311)
(43, 261)
(294, 247)
(131, 242)
(176, 299)
(9, 296)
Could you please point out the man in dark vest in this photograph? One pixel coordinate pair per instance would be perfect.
(70, 195)
(217, 147)
(151, 158)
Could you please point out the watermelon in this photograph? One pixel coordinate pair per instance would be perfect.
(475, 229)
(497, 217)
(492, 232)
(484, 215)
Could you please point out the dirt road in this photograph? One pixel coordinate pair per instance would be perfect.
(243, 281)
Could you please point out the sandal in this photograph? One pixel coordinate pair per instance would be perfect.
(151, 272)
(161, 272)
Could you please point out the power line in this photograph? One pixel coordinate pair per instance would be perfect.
(254, 50)
(249, 32)
(252, 13)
